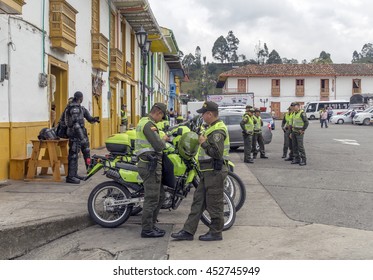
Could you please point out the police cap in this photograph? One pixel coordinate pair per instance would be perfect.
(208, 106)
(161, 106)
(294, 104)
(248, 107)
(256, 110)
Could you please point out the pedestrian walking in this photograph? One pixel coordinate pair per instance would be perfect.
(247, 125)
(124, 117)
(285, 125)
(78, 137)
(210, 191)
(257, 136)
(299, 126)
(324, 118)
(149, 151)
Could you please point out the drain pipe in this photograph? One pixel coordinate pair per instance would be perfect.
(11, 46)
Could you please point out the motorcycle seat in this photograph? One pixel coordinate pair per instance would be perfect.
(123, 165)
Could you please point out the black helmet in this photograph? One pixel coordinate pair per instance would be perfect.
(78, 95)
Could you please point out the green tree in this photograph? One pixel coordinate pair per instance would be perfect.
(197, 57)
(366, 55)
(324, 58)
(220, 49)
(188, 61)
(232, 42)
(261, 53)
(289, 61)
(274, 58)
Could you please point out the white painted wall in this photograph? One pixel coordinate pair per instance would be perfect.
(261, 86)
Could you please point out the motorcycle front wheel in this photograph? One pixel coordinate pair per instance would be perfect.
(229, 213)
(101, 206)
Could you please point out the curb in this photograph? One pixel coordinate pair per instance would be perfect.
(18, 240)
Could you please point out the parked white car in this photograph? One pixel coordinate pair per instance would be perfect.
(343, 118)
(365, 117)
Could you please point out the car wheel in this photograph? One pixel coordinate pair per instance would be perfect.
(366, 121)
(340, 121)
(312, 117)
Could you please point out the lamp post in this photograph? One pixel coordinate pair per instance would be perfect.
(144, 44)
(264, 101)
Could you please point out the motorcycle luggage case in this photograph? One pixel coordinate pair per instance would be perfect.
(118, 143)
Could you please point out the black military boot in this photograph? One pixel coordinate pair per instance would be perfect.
(80, 177)
(250, 160)
(283, 155)
(295, 161)
(182, 235)
(72, 180)
(263, 156)
(289, 159)
(151, 233)
(210, 236)
(303, 162)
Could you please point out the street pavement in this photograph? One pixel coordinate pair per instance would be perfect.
(320, 211)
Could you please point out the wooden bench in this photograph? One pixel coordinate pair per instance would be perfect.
(18, 168)
(55, 155)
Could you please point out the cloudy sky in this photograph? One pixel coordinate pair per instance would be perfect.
(298, 29)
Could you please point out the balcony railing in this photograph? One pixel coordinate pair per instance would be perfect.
(100, 59)
(234, 90)
(62, 25)
(276, 92)
(299, 92)
(13, 7)
(116, 64)
(324, 92)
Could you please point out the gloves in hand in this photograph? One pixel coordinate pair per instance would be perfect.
(97, 119)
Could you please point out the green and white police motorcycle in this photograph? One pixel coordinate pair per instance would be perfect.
(111, 203)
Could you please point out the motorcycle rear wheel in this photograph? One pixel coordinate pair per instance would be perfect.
(100, 212)
(229, 213)
(235, 188)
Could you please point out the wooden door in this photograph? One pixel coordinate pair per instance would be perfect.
(276, 107)
(241, 85)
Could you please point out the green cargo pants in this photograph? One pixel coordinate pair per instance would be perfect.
(154, 193)
(298, 148)
(248, 142)
(208, 196)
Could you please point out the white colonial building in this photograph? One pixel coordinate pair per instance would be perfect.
(51, 48)
(277, 85)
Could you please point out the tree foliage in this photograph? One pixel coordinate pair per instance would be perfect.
(365, 56)
(324, 58)
(289, 61)
(261, 53)
(220, 49)
(274, 58)
(197, 57)
(232, 43)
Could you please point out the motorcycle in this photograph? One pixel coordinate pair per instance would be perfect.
(111, 203)
(122, 146)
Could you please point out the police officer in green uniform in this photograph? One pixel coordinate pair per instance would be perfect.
(286, 123)
(247, 125)
(208, 196)
(149, 148)
(299, 125)
(258, 137)
(123, 114)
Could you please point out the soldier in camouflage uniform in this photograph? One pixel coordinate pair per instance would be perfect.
(208, 196)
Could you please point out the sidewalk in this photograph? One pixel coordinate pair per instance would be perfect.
(34, 213)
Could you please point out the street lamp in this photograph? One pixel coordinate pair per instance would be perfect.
(144, 44)
(264, 101)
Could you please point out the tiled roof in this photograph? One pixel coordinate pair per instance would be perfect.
(291, 70)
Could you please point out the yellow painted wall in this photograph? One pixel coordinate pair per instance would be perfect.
(4, 151)
(15, 140)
